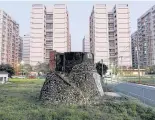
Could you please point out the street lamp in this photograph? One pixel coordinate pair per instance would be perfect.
(22, 63)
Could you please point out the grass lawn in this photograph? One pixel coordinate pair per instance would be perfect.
(19, 101)
(143, 80)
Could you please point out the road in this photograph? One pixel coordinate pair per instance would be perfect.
(143, 92)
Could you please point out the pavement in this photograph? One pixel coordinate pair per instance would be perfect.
(144, 93)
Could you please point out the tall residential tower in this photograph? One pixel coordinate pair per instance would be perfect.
(146, 38)
(9, 40)
(26, 49)
(49, 31)
(110, 35)
(86, 44)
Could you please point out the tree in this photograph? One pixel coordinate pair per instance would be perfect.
(7, 68)
(99, 68)
(42, 67)
(26, 68)
(150, 70)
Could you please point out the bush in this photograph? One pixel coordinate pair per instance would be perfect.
(99, 68)
(7, 68)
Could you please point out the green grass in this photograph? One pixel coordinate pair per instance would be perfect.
(143, 80)
(19, 101)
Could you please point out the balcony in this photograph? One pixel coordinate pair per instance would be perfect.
(49, 30)
(112, 56)
(111, 21)
(49, 47)
(111, 38)
(49, 20)
(111, 47)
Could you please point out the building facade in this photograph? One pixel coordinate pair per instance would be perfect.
(146, 36)
(98, 31)
(86, 44)
(26, 49)
(69, 43)
(110, 35)
(9, 40)
(49, 31)
(20, 53)
(134, 41)
(38, 34)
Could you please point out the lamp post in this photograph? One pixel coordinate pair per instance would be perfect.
(22, 63)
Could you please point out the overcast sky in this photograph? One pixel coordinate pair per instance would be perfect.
(79, 13)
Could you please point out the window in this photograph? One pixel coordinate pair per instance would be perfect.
(49, 16)
(111, 28)
(111, 33)
(145, 52)
(49, 34)
(49, 25)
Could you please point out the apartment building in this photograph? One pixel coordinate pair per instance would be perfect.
(26, 49)
(98, 31)
(69, 43)
(86, 44)
(61, 28)
(146, 36)
(20, 53)
(110, 34)
(9, 40)
(38, 34)
(134, 41)
(49, 31)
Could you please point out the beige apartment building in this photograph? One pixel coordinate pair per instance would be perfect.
(110, 35)
(9, 40)
(86, 43)
(20, 50)
(146, 36)
(26, 49)
(69, 43)
(49, 31)
(99, 43)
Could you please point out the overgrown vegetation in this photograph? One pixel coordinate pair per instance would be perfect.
(150, 70)
(19, 101)
(42, 68)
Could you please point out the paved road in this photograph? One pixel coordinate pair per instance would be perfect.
(143, 92)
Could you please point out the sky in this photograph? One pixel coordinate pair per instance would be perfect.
(79, 13)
